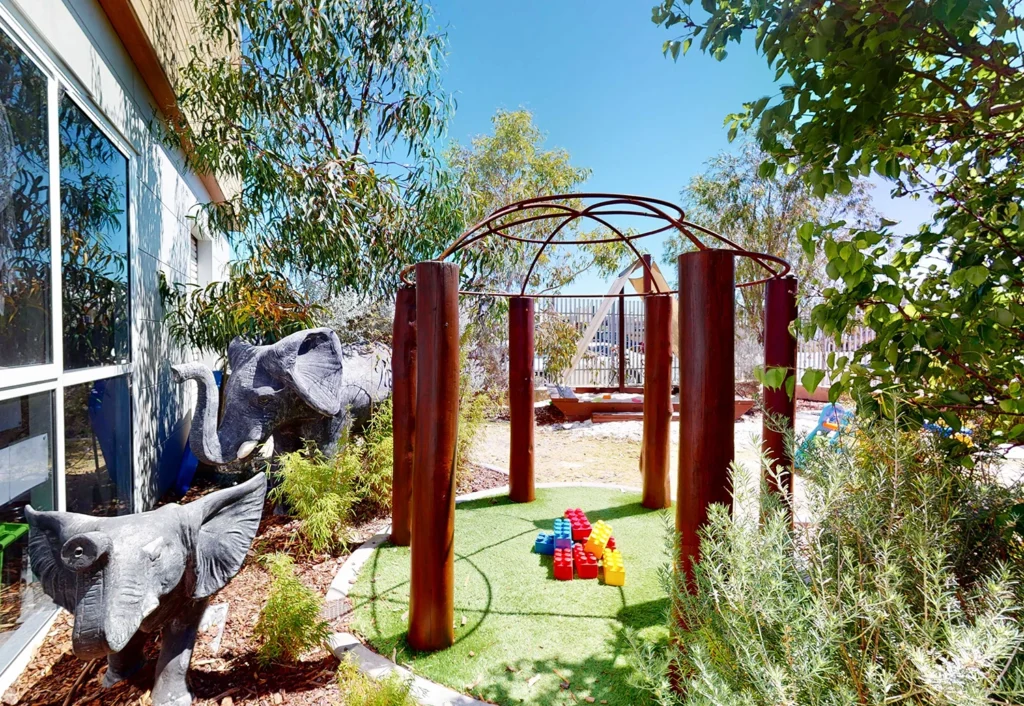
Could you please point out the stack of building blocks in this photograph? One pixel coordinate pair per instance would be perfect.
(563, 564)
(614, 569)
(545, 543)
(598, 539)
(563, 534)
(585, 562)
(576, 546)
(579, 523)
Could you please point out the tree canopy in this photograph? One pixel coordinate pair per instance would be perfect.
(763, 214)
(507, 166)
(326, 115)
(930, 97)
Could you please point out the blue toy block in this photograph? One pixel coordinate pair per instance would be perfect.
(563, 534)
(545, 543)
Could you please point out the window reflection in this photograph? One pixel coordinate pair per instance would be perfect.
(26, 477)
(25, 304)
(97, 447)
(94, 242)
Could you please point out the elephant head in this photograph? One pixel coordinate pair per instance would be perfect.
(120, 574)
(297, 379)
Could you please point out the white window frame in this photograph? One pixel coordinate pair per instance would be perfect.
(51, 377)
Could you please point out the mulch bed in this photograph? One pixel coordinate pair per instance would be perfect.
(231, 675)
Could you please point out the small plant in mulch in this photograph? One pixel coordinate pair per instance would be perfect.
(290, 622)
(320, 492)
(357, 689)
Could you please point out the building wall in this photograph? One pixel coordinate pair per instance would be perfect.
(78, 37)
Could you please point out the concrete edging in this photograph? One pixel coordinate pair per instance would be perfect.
(377, 666)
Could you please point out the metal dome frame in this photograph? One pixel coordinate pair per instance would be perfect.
(597, 207)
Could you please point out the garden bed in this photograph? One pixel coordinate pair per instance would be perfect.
(522, 636)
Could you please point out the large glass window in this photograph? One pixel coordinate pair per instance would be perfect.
(26, 477)
(25, 289)
(94, 242)
(97, 447)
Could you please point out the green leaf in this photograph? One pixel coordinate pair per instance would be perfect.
(774, 377)
(811, 378)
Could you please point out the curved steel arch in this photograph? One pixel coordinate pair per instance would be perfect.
(597, 207)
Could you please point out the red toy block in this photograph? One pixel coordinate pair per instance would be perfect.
(585, 562)
(580, 524)
(563, 564)
(611, 543)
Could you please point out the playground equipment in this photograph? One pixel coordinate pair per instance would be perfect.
(426, 378)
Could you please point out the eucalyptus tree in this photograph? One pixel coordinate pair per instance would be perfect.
(764, 213)
(929, 96)
(324, 113)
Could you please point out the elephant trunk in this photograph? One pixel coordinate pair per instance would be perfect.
(204, 438)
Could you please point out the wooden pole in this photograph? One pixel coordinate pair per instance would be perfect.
(403, 412)
(706, 392)
(431, 591)
(657, 401)
(520, 398)
(622, 342)
(779, 352)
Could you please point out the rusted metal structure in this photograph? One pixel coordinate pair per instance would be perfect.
(706, 330)
(779, 352)
(403, 412)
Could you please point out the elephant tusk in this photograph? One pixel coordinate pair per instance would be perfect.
(246, 448)
(268, 448)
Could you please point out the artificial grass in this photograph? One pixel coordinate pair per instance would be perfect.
(513, 620)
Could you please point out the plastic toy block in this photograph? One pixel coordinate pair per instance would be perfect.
(563, 564)
(585, 562)
(610, 544)
(563, 534)
(580, 524)
(598, 538)
(614, 569)
(545, 543)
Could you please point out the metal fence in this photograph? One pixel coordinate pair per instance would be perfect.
(599, 366)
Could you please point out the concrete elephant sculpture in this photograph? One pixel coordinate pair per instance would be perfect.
(292, 390)
(124, 577)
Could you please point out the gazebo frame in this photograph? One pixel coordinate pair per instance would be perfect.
(425, 374)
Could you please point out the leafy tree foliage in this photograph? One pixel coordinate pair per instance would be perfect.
(763, 214)
(930, 96)
(325, 114)
(507, 166)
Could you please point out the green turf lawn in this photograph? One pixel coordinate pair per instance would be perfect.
(513, 620)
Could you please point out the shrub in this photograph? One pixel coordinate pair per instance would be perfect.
(902, 590)
(290, 622)
(320, 491)
(374, 483)
(357, 689)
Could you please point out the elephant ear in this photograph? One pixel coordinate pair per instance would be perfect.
(47, 532)
(227, 522)
(310, 362)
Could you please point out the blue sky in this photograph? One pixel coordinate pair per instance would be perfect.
(593, 75)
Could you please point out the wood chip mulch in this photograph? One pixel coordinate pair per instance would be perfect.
(229, 676)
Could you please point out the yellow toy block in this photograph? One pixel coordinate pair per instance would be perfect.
(598, 538)
(614, 569)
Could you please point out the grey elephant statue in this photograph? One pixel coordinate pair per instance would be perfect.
(292, 390)
(126, 577)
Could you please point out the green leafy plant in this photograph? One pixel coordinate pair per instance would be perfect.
(556, 341)
(290, 622)
(357, 689)
(904, 587)
(320, 491)
(373, 485)
(926, 96)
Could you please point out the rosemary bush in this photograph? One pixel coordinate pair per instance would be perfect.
(290, 622)
(905, 588)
